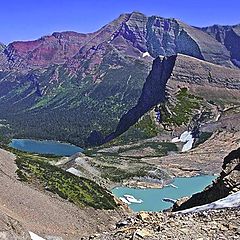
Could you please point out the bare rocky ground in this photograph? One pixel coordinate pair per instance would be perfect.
(132, 164)
(211, 225)
(11, 229)
(205, 159)
(44, 213)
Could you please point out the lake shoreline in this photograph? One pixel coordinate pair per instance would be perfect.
(146, 185)
(153, 197)
(45, 147)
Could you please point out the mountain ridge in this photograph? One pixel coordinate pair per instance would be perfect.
(72, 81)
(50, 49)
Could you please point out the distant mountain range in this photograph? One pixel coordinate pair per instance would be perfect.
(68, 85)
(131, 34)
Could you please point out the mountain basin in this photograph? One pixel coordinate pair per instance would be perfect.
(153, 198)
(45, 147)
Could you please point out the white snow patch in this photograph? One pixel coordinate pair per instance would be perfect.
(112, 37)
(172, 185)
(146, 54)
(175, 140)
(187, 138)
(217, 118)
(188, 145)
(230, 201)
(35, 236)
(74, 171)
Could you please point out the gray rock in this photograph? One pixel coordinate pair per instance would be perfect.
(11, 229)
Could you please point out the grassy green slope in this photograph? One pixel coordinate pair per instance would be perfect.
(74, 105)
(37, 170)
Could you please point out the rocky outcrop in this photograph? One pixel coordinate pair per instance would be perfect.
(2, 47)
(229, 36)
(194, 71)
(218, 224)
(153, 92)
(227, 183)
(202, 46)
(134, 30)
(11, 229)
(170, 36)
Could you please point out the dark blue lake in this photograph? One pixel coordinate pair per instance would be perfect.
(45, 147)
(153, 198)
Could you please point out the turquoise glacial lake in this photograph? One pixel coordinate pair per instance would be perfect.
(45, 147)
(153, 198)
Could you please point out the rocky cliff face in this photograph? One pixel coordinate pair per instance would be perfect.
(228, 182)
(229, 36)
(131, 34)
(181, 69)
(194, 71)
(54, 49)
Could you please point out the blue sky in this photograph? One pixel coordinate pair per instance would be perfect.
(30, 19)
